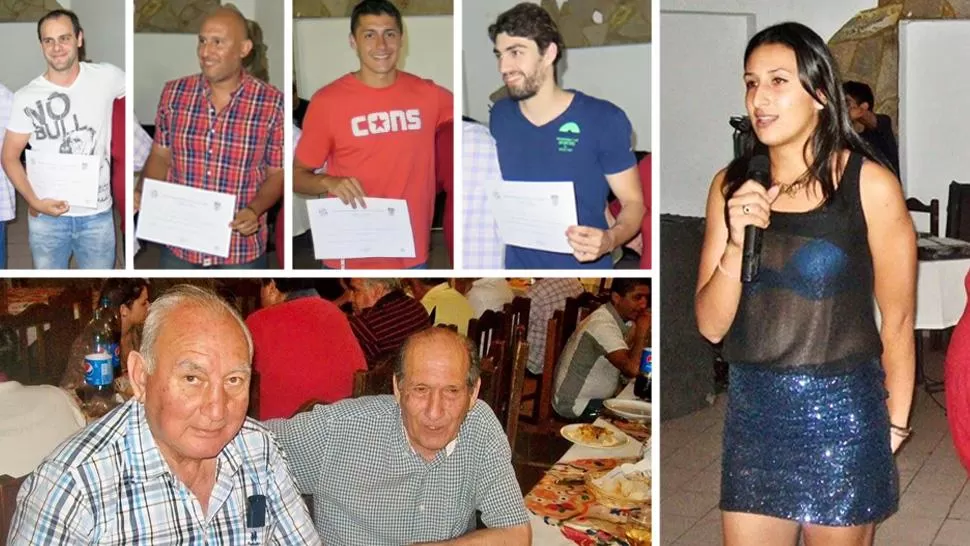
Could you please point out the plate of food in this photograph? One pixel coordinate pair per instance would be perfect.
(634, 410)
(593, 435)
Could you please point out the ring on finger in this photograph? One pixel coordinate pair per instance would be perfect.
(746, 210)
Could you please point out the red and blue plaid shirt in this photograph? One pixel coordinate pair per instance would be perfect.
(228, 152)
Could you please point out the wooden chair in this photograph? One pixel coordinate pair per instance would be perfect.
(80, 300)
(516, 314)
(492, 368)
(554, 344)
(516, 380)
(486, 330)
(44, 338)
(575, 311)
(9, 486)
(377, 380)
(933, 209)
(958, 211)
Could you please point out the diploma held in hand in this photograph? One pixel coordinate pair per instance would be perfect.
(65, 177)
(535, 214)
(382, 230)
(185, 217)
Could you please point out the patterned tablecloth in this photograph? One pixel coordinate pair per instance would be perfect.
(19, 299)
(561, 498)
(563, 512)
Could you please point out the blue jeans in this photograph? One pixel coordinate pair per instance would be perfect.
(90, 238)
(168, 260)
(3, 245)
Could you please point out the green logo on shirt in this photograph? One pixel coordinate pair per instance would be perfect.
(565, 140)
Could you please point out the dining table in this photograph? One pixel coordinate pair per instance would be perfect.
(561, 511)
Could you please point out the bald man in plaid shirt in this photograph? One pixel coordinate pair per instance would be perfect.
(413, 467)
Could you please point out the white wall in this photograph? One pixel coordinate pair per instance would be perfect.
(934, 97)
(163, 57)
(620, 74)
(104, 29)
(686, 171)
(322, 53)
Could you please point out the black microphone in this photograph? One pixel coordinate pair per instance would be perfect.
(759, 170)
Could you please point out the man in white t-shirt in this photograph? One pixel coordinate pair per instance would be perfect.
(602, 348)
(66, 110)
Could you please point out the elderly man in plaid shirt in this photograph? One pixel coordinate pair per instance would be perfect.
(222, 130)
(179, 463)
(413, 467)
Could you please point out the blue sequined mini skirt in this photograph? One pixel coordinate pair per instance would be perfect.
(812, 449)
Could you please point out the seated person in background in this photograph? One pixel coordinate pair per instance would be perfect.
(179, 463)
(384, 316)
(444, 304)
(602, 349)
(35, 419)
(487, 294)
(413, 467)
(875, 129)
(304, 348)
(128, 298)
(547, 296)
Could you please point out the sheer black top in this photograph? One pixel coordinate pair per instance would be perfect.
(811, 309)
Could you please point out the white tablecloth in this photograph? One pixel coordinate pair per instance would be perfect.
(940, 295)
(545, 534)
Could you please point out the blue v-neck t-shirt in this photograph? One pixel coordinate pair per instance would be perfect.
(592, 138)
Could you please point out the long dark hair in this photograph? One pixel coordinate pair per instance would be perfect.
(818, 74)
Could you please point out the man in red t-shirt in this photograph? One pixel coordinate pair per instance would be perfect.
(375, 130)
(303, 347)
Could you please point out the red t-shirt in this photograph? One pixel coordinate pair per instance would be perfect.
(385, 138)
(304, 349)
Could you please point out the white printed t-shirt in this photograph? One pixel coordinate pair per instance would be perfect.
(72, 120)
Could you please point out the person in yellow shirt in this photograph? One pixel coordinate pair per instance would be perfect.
(445, 304)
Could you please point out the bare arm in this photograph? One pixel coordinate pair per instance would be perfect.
(628, 361)
(590, 243)
(520, 535)
(346, 188)
(156, 167)
(14, 145)
(719, 288)
(892, 241)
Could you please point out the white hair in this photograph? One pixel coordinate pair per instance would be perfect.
(172, 299)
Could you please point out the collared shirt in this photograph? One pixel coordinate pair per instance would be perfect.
(584, 372)
(386, 325)
(228, 152)
(370, 487)
(109, 484)
(143, 147)
(448, 306)
(8, 209)
(546, 297)
(482, 247)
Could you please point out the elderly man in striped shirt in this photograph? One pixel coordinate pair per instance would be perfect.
(179, 463)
